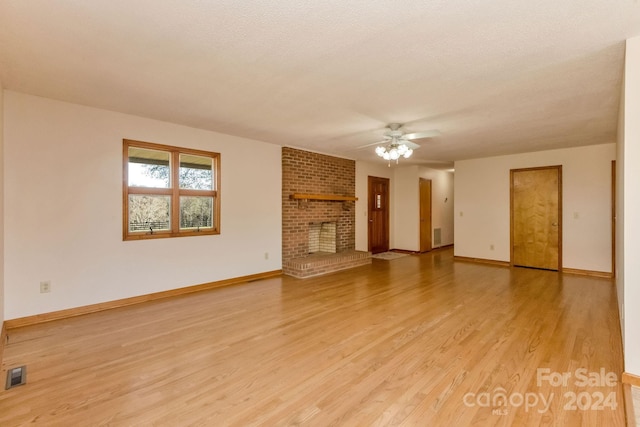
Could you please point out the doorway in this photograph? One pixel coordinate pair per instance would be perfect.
(378, 214)
(536, 217)
(425, 215)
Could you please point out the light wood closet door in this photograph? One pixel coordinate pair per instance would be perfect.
(425, 215)
(536, 214)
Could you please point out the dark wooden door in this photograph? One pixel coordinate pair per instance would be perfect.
(536, 214)
(425, 215)
(378, 214)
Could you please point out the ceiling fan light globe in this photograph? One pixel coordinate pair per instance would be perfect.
(397, 143)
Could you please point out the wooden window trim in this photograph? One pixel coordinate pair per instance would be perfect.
(174, 192)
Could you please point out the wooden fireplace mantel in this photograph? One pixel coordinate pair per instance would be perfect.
(328, 197)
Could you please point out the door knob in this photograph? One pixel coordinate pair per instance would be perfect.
(555, 224)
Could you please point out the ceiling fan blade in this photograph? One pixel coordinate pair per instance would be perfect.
(409, 144)
(420, 135)
(372, 144)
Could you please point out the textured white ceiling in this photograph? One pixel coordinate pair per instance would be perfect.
(495, 77)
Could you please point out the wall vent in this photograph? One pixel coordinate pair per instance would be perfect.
(437, 236)
(16, 376)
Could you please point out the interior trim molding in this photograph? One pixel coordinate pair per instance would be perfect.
(629, 410)
(630, 379)
(93, 308)
(482, 261)
(591, 273)
(450, 245)
(407, 251)
(576, 271)
(3, 339)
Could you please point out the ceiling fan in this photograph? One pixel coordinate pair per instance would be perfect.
(398, 144)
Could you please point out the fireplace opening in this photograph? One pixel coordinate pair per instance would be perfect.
(322, 237)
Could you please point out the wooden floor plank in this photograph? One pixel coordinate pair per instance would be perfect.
(412, 341)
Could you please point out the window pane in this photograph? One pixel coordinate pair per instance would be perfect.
(196, 212)
(147, 213)
(195, 172)
(148, 168)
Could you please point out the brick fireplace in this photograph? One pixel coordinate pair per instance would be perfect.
(306, 173)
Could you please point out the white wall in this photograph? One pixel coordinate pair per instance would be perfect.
(406, 208)
(63, 209)
(628, 259)
(1, 205)
(404, 217)
(620, 188)
(482, 204)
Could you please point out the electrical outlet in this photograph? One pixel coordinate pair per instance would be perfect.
(491, 247)
(45, 287)
(266, 255)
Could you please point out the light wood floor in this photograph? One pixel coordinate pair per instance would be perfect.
(415, 341)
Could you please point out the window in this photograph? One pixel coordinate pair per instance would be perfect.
(169, 191)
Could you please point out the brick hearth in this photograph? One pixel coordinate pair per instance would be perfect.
(325, 262)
